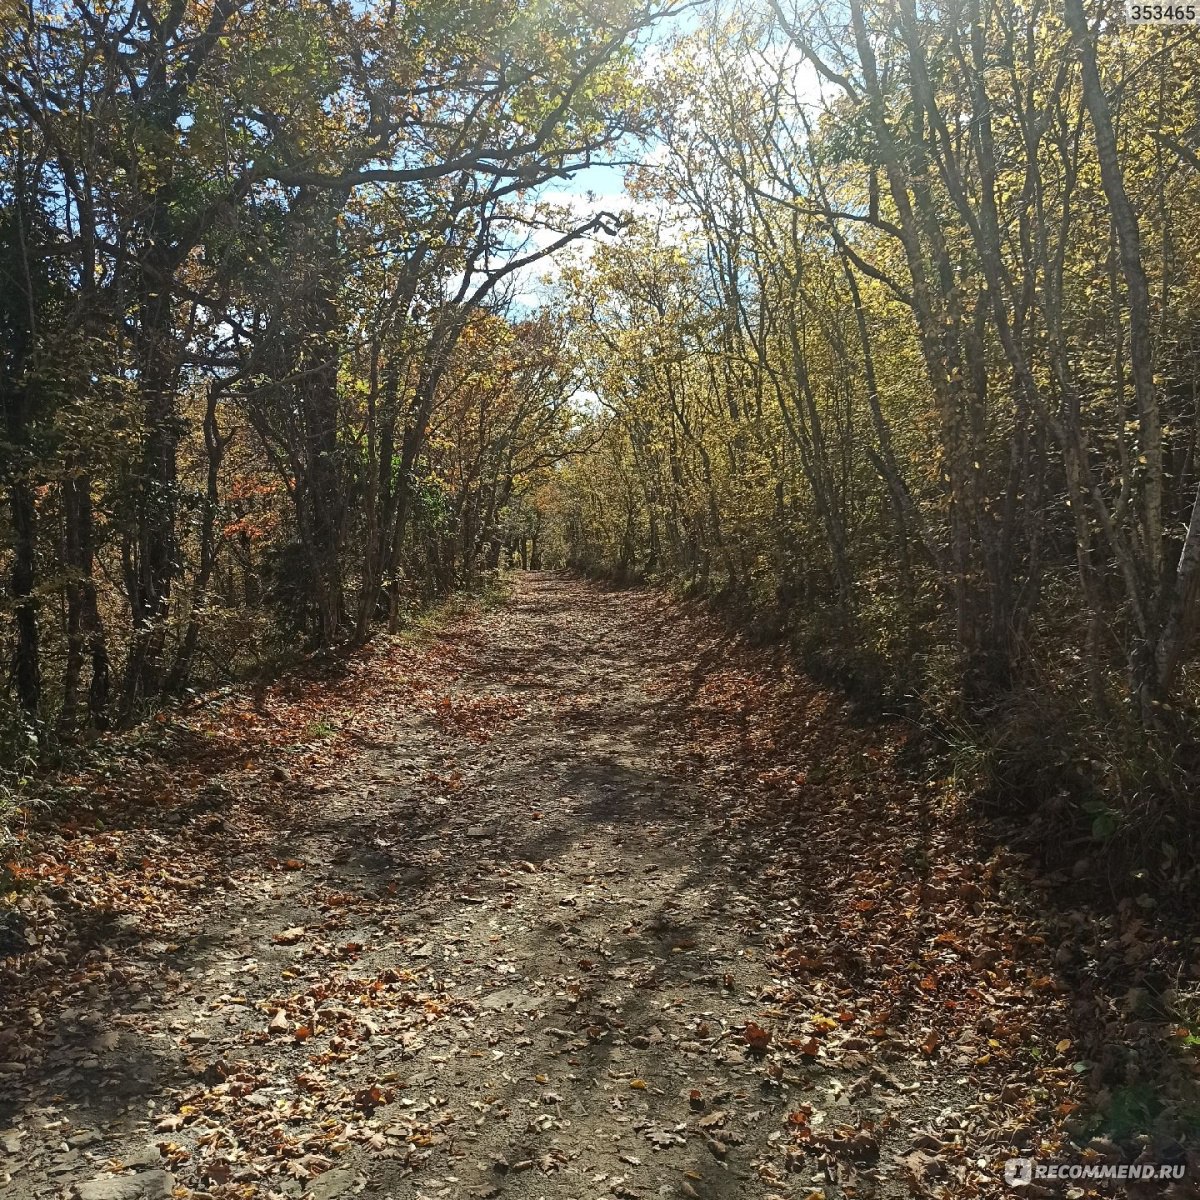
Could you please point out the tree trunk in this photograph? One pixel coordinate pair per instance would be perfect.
(150, 553)
(26, 667)
(215, 446)
(85, 632)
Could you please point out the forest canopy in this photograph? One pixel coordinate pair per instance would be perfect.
(911, 376)
(260, 366)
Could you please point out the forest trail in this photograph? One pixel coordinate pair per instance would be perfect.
(511, 916)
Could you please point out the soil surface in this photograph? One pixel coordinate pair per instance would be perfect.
(543, 906)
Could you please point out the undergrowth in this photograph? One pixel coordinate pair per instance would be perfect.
(34, 758)
(1097, 797)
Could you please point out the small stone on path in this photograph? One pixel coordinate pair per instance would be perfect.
(330, 1184)
(148, 1185)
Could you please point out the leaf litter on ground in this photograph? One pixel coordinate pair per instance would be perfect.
(580, 879)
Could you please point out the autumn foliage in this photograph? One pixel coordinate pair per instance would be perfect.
(900, 364)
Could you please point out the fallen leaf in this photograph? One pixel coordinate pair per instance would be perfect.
(757, 1038)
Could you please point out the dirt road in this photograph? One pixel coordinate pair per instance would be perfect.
(499, 922)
